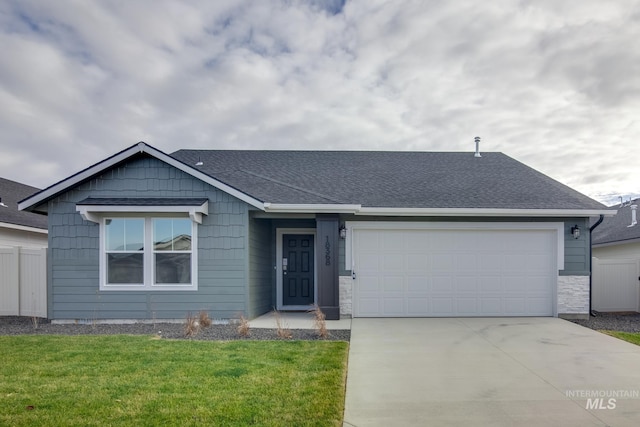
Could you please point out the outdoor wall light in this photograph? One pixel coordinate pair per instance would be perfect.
(343, 232)
(575, 231)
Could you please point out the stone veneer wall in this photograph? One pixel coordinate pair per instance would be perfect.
(573, 296)
(346, 296)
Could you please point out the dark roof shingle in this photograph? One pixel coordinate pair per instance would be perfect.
(616, 228)
(387, 179)
(11, 192)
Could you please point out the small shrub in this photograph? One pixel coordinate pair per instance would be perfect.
(282, 329)
(204, 319)
(243, 327)
(35, 321)
(319, 321)
(191, 325)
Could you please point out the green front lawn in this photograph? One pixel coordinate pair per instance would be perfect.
(627, 336)
(137, 380)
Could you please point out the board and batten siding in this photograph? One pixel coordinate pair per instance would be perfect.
(74, 250)
(261, 270)
(576, 251)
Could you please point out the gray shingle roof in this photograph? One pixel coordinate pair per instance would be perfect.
(387, 179)
(616, 228)
(11, 192)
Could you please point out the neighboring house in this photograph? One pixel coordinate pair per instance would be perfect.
(19, 228)
(23, 260)
(364, 234)
(616, 252)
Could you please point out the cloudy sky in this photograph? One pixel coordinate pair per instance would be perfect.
(554, 84)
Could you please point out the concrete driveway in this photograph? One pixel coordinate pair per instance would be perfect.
(489, 372)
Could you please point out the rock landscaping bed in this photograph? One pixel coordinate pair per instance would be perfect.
(624, 322)
(12, 325)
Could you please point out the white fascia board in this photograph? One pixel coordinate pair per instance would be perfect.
(482, 212)
(311, 208)
(23, 228)
(444, 212)
(141, 147)
(94, 213)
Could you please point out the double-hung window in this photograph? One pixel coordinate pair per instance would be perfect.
(148, 253)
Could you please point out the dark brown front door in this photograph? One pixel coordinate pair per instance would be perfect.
(297, 269)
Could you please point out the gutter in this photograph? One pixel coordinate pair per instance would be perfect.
(593, 227)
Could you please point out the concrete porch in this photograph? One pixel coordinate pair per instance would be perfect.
(295, 320)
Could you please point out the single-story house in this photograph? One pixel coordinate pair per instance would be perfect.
(19, 228)
(359, 233)
(616, 252)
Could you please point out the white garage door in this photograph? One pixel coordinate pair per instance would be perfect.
(441, 273)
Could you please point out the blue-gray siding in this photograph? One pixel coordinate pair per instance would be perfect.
(74, 250)
(261, 272)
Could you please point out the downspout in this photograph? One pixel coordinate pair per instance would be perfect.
(593, 227)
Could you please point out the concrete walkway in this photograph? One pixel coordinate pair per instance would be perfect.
(489, 372)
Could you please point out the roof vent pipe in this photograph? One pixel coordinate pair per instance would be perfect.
(634, 218)
(477, 139)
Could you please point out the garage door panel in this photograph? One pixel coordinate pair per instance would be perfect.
(392, 284)
(393, 262)
(417, 306)
(466, 262)
(442, 284)
(442, 261)
(491, 306)
(369, 284)
(467, 285)
(417, 262)
(465, 272)
(466, 306)
(369, 262)
(490, 284)
(514, 306)
(393, 306)
(441, 306)
(418, 284)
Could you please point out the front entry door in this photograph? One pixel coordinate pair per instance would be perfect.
(297, 269)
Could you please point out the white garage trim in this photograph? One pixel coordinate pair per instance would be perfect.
(558, 227)
(415, 269)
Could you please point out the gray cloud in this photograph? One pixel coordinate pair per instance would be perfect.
(549, 83)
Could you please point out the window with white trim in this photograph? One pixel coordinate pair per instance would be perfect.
(148, 253)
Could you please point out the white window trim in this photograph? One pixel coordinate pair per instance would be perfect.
(148, 256)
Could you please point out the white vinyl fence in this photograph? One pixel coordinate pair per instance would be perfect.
(23, 282)
(615, 284)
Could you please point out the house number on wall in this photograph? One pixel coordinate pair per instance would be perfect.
(327, 252)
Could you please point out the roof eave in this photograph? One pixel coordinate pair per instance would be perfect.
(23, 228)
(444, 212)
(310, 208)
(616, 242)
(32, 202)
